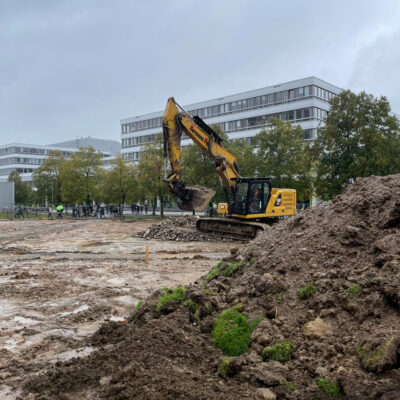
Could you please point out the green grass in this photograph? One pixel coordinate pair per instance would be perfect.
(209, 292)
(281, 351)
(306, 292)
(223, 366)
(231, 269)
(225, 269)
(231, 332)
(354, 290)
(330, 388)
(371, 359)
(138, 306)
(289, 385)
(177, 294)
(252, 260)
(279, 297)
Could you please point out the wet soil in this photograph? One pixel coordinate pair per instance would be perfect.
(60, 280)
(346, 331)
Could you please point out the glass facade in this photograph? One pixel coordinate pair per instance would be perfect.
(281, 97)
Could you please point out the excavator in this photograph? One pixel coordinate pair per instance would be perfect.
(251, 202)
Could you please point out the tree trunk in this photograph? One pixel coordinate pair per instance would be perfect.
(161, 206)
(154, 205)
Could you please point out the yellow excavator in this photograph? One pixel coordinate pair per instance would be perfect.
(250, 201)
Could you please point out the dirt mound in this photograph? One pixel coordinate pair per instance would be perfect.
(179, 229)
(326, 285)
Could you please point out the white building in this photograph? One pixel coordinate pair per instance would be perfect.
(242, 115)
(25, 158)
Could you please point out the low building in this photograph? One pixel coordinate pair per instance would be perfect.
(7, 196)
(304, 102)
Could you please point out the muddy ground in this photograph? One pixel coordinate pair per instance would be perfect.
(60, 280)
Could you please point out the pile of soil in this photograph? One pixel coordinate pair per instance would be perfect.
(181, 229)
(347, 332)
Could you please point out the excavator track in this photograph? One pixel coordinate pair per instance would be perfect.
(230, 228)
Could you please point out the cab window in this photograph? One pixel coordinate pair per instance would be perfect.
(256, 198)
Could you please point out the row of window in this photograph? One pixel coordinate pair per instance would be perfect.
(7, 171)
(301, 114)
(29, 150)
(20, 160)
(284, 96)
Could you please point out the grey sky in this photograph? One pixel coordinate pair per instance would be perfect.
(71, 68)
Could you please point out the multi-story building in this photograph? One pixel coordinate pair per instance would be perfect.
(25, 158)
(304, 102)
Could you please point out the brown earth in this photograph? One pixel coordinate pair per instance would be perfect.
(348, 331)
(60, 280)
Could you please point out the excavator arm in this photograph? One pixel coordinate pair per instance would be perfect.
(177, 121)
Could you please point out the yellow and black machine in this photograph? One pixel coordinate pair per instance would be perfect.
(250, 201)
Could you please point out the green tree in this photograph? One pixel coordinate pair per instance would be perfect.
(46, 178)
(23, 193)
(245, 156)
(151, 173)
(360, 138)
(284, 156)
(119, 184)
(79, 175)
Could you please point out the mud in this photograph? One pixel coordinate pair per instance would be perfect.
(60, 280)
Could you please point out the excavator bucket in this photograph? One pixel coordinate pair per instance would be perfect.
(200, 197)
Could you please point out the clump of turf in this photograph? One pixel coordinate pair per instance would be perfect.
(225, 269)
(192, 306)
(354, 290)
(210, 292)
(330, 388)
(177, 294)
(291, 387)
(381, 358)
(231, 269)
(231, 332)
(306, 292)
(281, 351)
(138, 306)
(223, 366)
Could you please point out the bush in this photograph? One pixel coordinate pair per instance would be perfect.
(178, 294)
(281, 351)
(231, 332)
(331, 388)
(306, 292)
(354, 290)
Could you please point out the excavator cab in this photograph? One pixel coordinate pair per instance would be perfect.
(251, 196)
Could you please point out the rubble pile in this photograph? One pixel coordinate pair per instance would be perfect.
(181, 229)
(326, 288)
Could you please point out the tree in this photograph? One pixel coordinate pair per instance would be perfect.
(151, 173)
(47, 178)
(23, 193)
(360, 138)
(285, 157)
(245, 156)
(79, 175)
(119, 183)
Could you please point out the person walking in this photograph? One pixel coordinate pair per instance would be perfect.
(102, 210)
(60, 210)
(146, 206)
(19, 213)
(50, 212)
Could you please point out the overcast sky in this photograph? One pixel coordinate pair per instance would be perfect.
(72, 68)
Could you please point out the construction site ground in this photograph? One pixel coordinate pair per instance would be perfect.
(61, 279)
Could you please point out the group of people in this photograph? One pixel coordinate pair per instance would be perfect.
(139, 207)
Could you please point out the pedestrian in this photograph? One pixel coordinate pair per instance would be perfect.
(60, 210)
(146, 206)
(50, 212)
(74, 211)
(141, 208)
(19, 213)
(132, 208)
(95, 211)
(102, 210)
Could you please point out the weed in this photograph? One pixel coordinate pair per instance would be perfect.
(192, 306)
(281, 351)
(354, 290)
(223, 366)
(279, 297)
(330, 388)
(214, 272)
(370, 359)
(138, 306)
(289, 385)
(306, 292)
(252, 260)
(208, 307)
(231, 269)
(210, 292)
(178, 294)
(231, 332)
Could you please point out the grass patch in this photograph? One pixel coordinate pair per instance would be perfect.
(231, 269)
(231, 332)
(290, 386)
(208, 308)
(138, 306)
(252, 260)
(370, 359)
(354, 290)
(279, 297)
(281, 351)
(210, 292)
(330, 388)
(178, 294)
(306, 292)
(225, 269)
(223, 366)
(193, 307)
